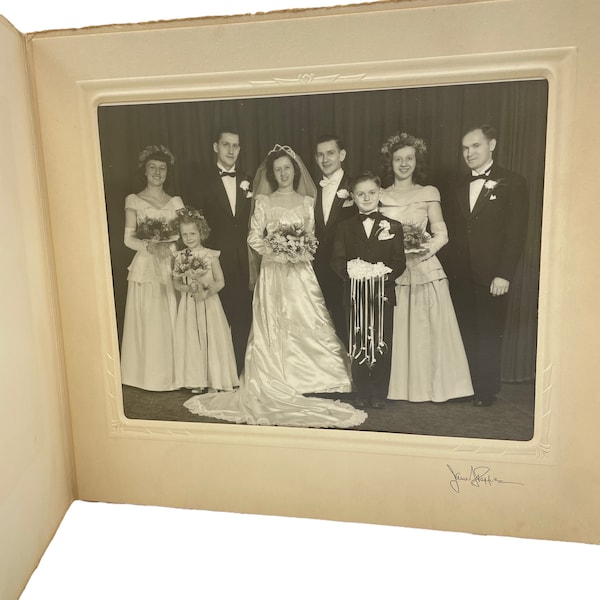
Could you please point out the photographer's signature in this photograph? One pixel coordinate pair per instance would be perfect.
(478, 477)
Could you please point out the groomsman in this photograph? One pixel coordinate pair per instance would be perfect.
(225, 199)
(334, 204)
(487, 223)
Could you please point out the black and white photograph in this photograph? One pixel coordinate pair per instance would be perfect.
(362, 260)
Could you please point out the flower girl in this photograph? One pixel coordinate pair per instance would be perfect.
(204, 355)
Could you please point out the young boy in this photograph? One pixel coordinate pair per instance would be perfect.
(377, 241)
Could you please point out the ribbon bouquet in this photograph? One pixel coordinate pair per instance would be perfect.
(367, 296)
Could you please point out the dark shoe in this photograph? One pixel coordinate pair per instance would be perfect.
(483, 400)
(361, 401)
(378, 402)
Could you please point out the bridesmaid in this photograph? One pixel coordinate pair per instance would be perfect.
(150, 309)
(428, 357)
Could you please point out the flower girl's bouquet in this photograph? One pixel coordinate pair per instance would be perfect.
(291, 242)
(192, 268)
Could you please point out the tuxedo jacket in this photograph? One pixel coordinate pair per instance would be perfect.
(487, 242)
(228, 233)
(351, 242)
(325, 232)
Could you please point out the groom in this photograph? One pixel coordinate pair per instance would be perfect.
(487, 224)
(225, 200)
(333, 205)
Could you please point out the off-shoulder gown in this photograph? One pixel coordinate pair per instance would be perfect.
(428, 356)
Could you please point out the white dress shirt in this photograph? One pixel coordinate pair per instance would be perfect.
(330, 186)
(230, 184)
(368, 226)
(476, 186)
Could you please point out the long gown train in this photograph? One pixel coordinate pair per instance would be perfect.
(293, 349)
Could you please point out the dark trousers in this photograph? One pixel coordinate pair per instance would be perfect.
(371, 381)
(481, 318)
(237, 305)
(332, 288)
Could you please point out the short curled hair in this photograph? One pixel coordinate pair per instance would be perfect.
(365, 176)
(155, 152)
(489, 131)
(403, 140)
(269, 165)
(188, 214)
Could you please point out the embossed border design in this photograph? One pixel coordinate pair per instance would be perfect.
(556, 65)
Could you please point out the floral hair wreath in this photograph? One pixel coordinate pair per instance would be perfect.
(190, 214)
(406, 140)
(286, 149)
(155, 149)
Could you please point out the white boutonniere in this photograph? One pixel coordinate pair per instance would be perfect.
(245, 186)
(343, 194)
(491, 185)
(384, 233)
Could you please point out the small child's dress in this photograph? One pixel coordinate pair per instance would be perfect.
(203, 347)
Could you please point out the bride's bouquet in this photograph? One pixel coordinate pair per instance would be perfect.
(157, 230)
(415, 238)
(291, 242)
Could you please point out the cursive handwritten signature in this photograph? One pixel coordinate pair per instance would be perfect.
(478, 477)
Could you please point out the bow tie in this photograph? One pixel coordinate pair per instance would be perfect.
(480, 176)
(372, 215)
(325, 182)
(227, 173)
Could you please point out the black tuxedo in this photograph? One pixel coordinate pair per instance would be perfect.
(330, 283)
(351, 242)
(229, 234)
(485, 243)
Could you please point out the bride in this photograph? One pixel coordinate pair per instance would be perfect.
(292, 349)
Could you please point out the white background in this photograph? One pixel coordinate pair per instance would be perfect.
(123, 552)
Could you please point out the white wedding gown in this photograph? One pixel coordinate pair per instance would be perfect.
(292, 349)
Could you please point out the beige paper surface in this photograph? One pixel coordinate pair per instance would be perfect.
(36, 472)
(355, 476)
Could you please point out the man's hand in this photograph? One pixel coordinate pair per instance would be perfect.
(499, 286)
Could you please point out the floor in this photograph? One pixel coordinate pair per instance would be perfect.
(509, 418)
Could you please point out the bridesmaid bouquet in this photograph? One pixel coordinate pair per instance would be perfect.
(415, 238)
(291, 242)
(157, 230)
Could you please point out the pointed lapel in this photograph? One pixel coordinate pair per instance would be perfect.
(240, 197)
(361, 234)
(463, 199)
(222, 198)
(319, 217)
(336, 207)
(485, 193)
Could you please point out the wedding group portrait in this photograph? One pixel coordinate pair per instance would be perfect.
(361, 260)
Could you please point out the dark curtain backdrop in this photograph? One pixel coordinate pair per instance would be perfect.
(363, 120)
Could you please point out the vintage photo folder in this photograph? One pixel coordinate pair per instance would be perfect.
(78, 106)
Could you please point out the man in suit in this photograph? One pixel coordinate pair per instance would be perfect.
(225, 200)
(487, 223)
(369, 236)
(333, 205)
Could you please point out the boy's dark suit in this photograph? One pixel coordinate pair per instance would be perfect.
(229, 234)
(331, 285)
(351, 242)
(485, 243)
